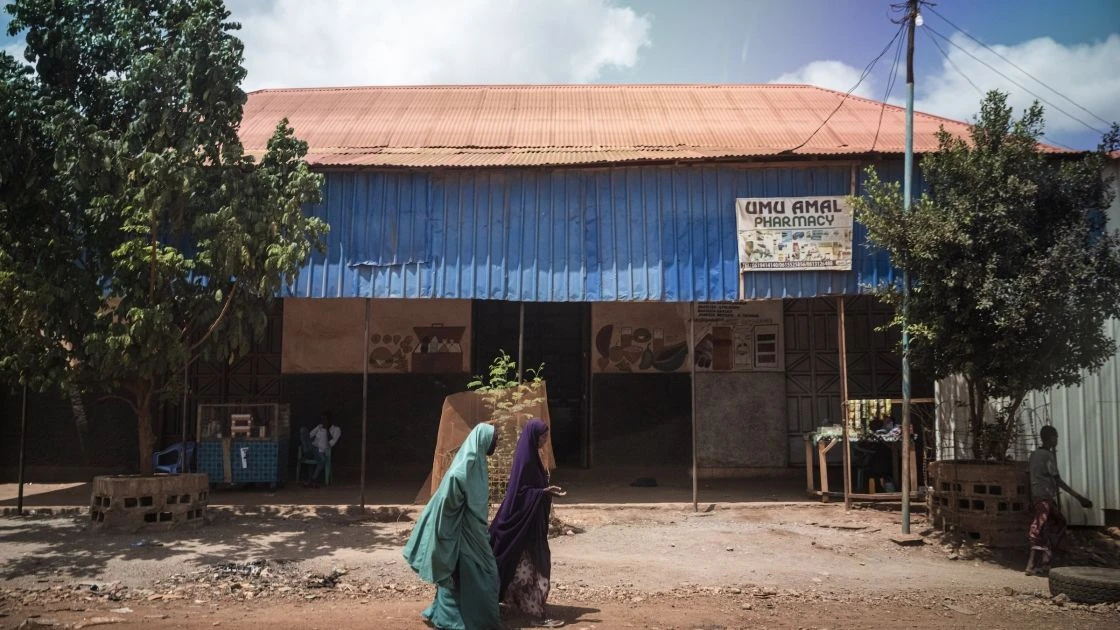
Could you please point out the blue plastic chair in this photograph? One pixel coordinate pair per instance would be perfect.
(162, 463)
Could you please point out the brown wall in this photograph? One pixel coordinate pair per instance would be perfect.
(325, 336)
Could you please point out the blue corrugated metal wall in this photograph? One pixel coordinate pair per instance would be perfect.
(641, 233)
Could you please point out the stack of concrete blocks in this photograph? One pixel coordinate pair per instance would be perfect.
(136, 502)
(985, 502)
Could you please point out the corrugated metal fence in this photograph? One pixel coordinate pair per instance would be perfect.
(1087, 418)
(650, 233)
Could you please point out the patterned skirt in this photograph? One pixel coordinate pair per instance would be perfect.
(1048, 527)
(528, 590)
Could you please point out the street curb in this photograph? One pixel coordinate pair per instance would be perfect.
(389, 509)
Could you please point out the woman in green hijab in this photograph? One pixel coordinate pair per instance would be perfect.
(450, 545)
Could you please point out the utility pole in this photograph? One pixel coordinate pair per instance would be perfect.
(365, 409)
(907, 182)
(22, 448)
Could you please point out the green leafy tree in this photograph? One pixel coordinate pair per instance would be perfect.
(1014, 271)
(137, 234)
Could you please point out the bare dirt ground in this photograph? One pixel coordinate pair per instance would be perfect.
(622, 566)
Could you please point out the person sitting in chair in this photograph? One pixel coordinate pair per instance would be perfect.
(324, 436)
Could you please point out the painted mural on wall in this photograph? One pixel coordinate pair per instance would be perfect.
(794, 234)
(406, 336)
(651, 338)
(648, 338)
(739, 337)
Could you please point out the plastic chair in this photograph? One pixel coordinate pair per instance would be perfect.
(306, 456)
(162, 463)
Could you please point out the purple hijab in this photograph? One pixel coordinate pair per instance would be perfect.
(521, 523)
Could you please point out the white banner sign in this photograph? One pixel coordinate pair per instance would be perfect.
(794, 234)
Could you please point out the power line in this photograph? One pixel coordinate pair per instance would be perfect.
(1014, 65)
(1013, 81)
(976, 87)
(1062, 145)
(890, 88)
(950, 61)
(866, 71)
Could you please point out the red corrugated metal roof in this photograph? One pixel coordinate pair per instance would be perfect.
(519, 125)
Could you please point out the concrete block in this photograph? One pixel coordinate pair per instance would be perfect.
(136, 502)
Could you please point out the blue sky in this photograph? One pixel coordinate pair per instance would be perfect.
(1073, 46)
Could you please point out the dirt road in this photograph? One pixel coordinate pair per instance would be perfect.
(634, 566)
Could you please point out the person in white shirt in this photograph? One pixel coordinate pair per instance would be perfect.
(324, 436)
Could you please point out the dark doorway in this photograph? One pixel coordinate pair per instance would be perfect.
(556, 334)
(643, 420)
(813, 362)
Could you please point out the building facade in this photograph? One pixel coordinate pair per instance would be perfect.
(601, 231)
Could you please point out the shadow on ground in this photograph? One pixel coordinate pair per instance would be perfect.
(570, 615)
(1083, 546)
(65, 547)
(603, 485)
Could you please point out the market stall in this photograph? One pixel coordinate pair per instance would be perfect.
(870, 431)
(243, 443)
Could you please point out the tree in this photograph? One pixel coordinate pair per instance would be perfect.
(137, 234)
(1015, 273)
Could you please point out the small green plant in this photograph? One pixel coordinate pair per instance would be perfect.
(507, 399)
(503, 375)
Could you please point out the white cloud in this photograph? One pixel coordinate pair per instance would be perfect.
(834, 75)
(1088, 74)
(15, 50)
(296, 43)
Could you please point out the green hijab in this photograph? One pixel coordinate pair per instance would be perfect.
(453, 524)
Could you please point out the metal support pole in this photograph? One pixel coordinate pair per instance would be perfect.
(842, 342)
(906, 201)
(183, 462)
(521, 343)
(365, 409)
(692, 378)
(22, 449)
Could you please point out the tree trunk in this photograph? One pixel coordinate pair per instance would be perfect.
(147, 437)
(1008, 427)
(977, 403)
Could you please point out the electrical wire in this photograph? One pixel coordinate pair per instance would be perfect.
(949, 60)
(1013, 81)
(977, 88)
(1014, 65)
(890, 88)
(866, 72)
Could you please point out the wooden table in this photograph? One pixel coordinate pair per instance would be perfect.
(823, 448)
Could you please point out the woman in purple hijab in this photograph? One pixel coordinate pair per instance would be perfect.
(519, 533)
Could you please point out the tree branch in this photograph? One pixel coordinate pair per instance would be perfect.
(1011, 417)
(213, 326)
(152, 264)
(130, 403)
